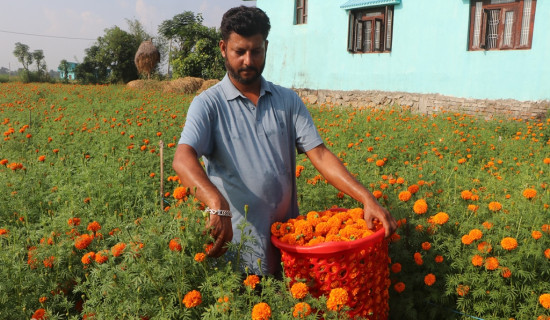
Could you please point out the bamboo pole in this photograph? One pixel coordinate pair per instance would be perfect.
(161, 145)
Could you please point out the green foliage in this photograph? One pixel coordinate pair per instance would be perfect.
(91, 152)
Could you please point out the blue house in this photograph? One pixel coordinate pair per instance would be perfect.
(70, 73)
(478, 49)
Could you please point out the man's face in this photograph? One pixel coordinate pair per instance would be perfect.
(244, 57)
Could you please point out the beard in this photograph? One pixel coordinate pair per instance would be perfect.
(236, 73)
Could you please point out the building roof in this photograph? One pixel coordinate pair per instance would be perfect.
(353, 4)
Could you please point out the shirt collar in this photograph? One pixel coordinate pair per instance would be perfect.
(231, 92)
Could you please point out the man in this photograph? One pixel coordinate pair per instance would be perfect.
(248, 130)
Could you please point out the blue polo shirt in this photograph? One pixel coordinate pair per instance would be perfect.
(249, 153)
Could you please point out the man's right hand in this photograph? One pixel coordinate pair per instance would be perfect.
(221, 230)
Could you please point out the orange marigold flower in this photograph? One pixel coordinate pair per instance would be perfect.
(487, 225)
(3, 231)
(426, 246)
(467, 239)
(429, 279)
(477, 260)
(491, 263)
(175, 245)
(74, 221)
(547, 253)
(462, 290)
(509, 243)
(261, 311)
(199, 257)
(39, 314)
(180, 193)
(299, 169)
(484, 247)
(529, 193)
(439, 218)
(476, 234)
(536, 234)
(118, 248)
(41, 158)
(466, 194)
(301, 310)
(506, 273)
(396, 267)
(405, 196)
(192, 299)
(83, 241)
(88, 257)
(42, 299)
(418, 258)
(251, 281)
(413, 188)
(299, 290)
(377, 194)
(438, 259)
(380, 163)
(399, 287)
(93, 226)
(473, 207)
(420, 206)
(337, 298)
(101, 256)
(495, 206)
(48, 262)
(544, 300)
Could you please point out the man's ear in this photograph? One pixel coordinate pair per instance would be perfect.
(222, 45)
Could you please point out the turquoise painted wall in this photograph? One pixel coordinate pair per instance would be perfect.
(429, 55)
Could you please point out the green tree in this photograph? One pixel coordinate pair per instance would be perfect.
(41, 69)
(92, 70)
(196, 50)
(23, 55)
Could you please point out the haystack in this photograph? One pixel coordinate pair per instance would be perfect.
(183, 85)
(147, 58)
(207, 84)
(145, 84)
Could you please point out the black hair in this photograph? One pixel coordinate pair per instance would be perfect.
(245, 21)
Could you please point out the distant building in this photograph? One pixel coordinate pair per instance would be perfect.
(71, 73)
(481, 49)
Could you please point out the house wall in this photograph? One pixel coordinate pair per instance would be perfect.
(429, 55)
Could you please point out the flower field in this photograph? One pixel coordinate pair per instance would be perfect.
(92, 226)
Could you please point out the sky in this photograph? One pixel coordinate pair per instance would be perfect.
(63, 29)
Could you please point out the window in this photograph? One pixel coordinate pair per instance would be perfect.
(301, 11)
(370, 30)
(501, 24)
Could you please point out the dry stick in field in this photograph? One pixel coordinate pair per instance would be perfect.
(161, 145)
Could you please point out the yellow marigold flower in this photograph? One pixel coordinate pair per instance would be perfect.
(529, 193)
(199, 257)
(509, 243)
(405, 196)
(301, 310)
(491, 263)
(337, 298)
(420, 206)
(429, 279)
(299, 290)
(261, 311)
(192, 299)
(399, 287)
(439, 218)
(477, 260)
(251, 281)
(495, 206)
(544, 300)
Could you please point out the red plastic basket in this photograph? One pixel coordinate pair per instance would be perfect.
(360, 266)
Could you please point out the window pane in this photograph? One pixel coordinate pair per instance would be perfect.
(299, 16)
(477, 24)
(359, 34)
(492, 28)
(368, 36)
(508, 22)
(299, 3)
(502, 1)
(525, 23)
(378, 29)
(389, 29)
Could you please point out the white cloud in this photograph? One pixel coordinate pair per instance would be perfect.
(148, 15)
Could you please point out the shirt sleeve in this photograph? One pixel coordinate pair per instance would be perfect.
(197, 129)
(307, 136)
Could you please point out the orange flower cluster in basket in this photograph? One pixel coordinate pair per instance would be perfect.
(324, 226)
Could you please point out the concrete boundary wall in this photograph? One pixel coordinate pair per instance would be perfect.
(429, 103)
